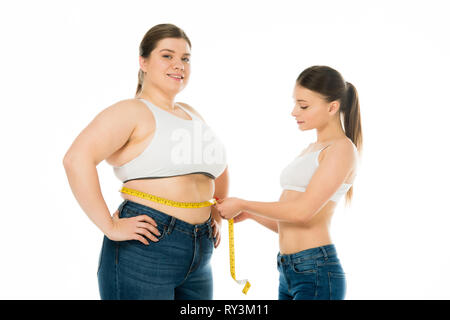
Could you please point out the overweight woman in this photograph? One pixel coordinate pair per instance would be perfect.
(159, 242)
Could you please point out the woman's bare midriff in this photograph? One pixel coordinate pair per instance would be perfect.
(298, 237)
(185, 188)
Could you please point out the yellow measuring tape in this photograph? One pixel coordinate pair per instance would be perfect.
(232, 268)
(208, 203)
(168, 202)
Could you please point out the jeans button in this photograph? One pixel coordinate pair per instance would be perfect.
(282, 260)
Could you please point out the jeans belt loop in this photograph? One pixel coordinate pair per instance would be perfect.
(171, 225)
(324, 253)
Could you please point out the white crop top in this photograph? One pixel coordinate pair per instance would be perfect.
(178, 147)
(299, 172)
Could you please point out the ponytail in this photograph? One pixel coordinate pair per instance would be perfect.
(140, 82)
(352, 117)
(352, 125)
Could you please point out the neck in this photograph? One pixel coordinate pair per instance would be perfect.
(158, 97)
(331, 131)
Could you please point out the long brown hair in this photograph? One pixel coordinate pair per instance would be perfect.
(150, 41)
(332, 86)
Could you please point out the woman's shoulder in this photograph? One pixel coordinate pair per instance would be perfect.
(345, 150)
(131, 103)
(131, 111)
(130, 108)
(126, 105)
(341, 152)
(344, 143)
(342, 148)
(125, 108)
(185, 105)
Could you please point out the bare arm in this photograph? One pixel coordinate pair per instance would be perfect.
(83, 179)
(105, 134)
(268, 223)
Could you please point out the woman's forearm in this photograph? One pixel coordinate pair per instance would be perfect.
(287, 211)
(85, 185)
(268, 223)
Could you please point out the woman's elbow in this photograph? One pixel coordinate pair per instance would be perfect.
(302, 219)
(304, 216)
(70, 158)
(297, 218)
(67, 160)
(74, 163)
(293, 214)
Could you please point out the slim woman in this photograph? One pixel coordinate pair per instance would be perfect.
(159, 242)
(312, 183)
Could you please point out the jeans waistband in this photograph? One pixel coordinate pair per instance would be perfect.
(170, 221)
(308, 254)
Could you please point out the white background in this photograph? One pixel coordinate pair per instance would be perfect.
(62, 62)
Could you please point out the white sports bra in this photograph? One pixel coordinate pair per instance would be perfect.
(178, 147)
(299, 172)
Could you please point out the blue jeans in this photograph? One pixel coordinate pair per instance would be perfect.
(312, 274)
(175, 267)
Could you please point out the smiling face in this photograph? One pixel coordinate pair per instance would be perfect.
(311, 110)
(168, 66)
